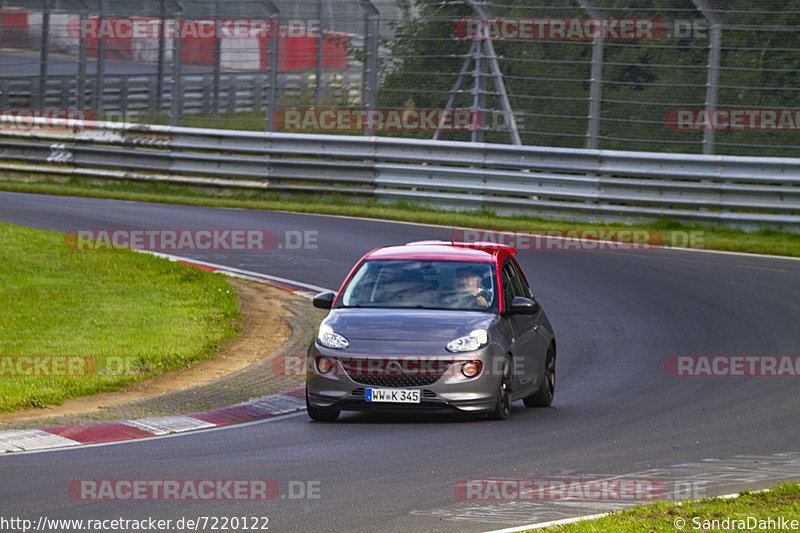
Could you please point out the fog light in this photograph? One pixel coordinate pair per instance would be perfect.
(471, 369)
(324, 365)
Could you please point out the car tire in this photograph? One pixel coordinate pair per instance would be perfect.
(321, 414)
(544, 396)
(502, 410)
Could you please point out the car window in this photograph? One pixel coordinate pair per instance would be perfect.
(511, 285)
(520, 278)
(422, 284)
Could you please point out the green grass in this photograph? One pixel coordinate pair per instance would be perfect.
(765, 241)
(135, 315)
(783, 501)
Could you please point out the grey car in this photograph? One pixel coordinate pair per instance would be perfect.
(432, 326)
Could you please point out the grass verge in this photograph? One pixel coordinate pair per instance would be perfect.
(780, 503)
(116, 317)
(765, 241)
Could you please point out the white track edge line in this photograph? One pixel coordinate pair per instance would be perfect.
(563, 521)
(248, 274)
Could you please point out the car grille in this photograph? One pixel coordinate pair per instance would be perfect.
(396, 381)
(412, 373)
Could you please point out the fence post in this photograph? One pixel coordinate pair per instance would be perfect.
(272, 58)
(478, 88)
(712, 83)
(320, 55)
(596, 83)
(1, 26)
(43, 56)
(162, 52)
(217, 57)
(80, 97)
(100, 70)
(176, 108)
(369, 88)
(497, 76)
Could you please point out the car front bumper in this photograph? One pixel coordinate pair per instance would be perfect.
(452, 392)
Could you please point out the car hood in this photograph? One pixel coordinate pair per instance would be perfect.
(407, 324)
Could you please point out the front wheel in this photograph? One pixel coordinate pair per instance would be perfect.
(544, 396)
(502, 410)
(320, 414)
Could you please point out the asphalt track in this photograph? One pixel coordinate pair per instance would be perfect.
(618, 316)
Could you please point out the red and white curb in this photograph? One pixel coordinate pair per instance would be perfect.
(287, 401)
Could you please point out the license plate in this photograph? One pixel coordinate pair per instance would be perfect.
(393, 395)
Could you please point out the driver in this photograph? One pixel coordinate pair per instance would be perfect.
(468, 286)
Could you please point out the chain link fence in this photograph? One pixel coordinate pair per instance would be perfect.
(214, 63)
(689, 76)
(684, 76)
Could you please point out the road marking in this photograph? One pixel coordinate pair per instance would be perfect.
(684, 481)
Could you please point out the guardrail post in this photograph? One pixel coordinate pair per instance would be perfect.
(712, 83)
(124, 92)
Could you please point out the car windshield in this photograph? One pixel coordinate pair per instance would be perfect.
(424, 284)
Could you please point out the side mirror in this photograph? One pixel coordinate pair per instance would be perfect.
(324, 300)
(524, 306)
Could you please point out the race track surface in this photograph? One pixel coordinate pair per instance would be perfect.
(618, 316)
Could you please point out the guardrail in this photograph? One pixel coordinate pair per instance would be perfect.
(596, 185)
(136, 94)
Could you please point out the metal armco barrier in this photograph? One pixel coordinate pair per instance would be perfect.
(564, 183)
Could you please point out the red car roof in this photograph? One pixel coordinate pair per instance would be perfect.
(484, 252)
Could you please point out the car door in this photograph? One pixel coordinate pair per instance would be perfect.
(529, 346)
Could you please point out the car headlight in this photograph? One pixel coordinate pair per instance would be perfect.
(471, 342)
(330, 339)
